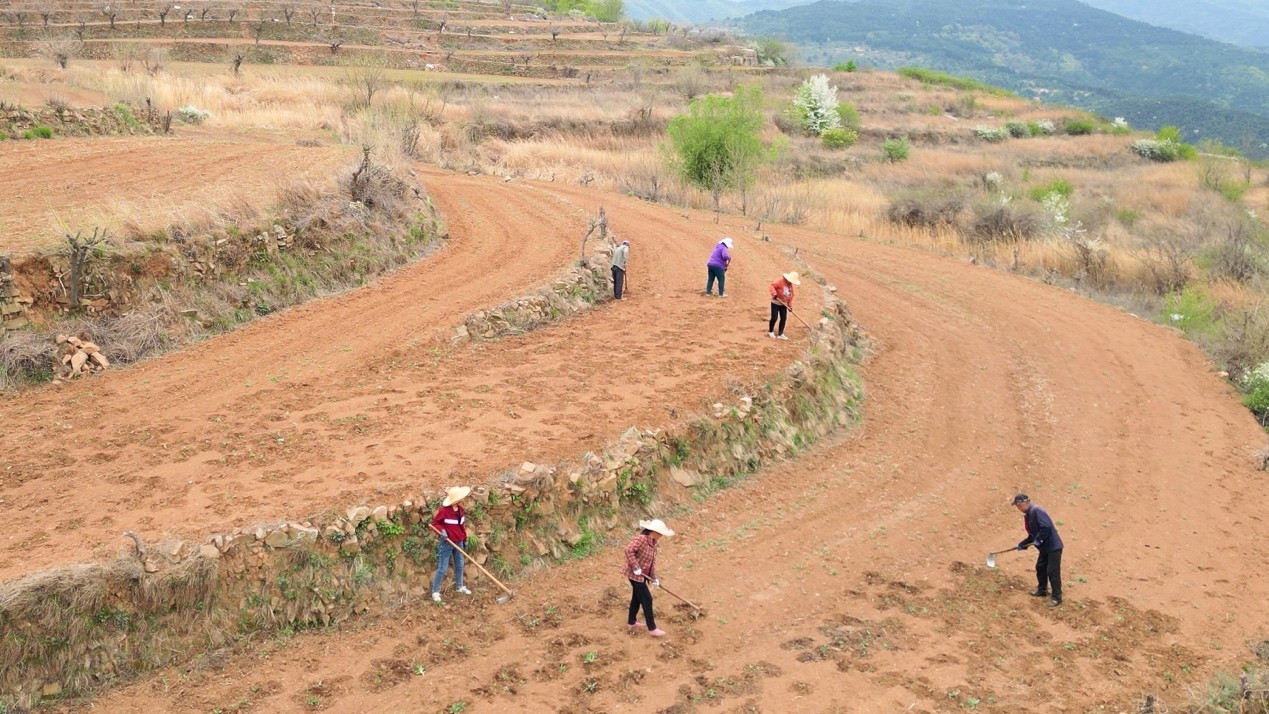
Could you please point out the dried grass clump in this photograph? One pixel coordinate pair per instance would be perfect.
(927, 208)
(1011, 221)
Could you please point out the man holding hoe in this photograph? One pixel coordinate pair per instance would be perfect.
(1044, 536)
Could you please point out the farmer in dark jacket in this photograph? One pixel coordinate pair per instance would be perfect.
(1044, 536)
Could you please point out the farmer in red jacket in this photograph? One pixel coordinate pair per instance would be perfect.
(781, 302)
(640, 569)
(451, 521)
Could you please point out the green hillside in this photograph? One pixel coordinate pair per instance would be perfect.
(1239, 22)
(1057, 50)
(697, 11)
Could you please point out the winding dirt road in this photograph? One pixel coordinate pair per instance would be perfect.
(362, 396)
(852, 580)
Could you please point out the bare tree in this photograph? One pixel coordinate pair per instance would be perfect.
(154, 59)
(79, 29)
(315, 13)
(188, 13)
(415, 5)
(554, 30)
(125, 54)
(288, 11)
(368, 80)
(78, 250)
(46, 15)
(235, 62)
(19, 15)
(60, 49)
(232, 12)
(163, 11)
(507, 6)
(111, 12)
(442, 24)
(202, 14)
(334, 46)
(258, 30)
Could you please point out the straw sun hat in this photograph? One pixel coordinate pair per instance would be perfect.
(792, 278)
(455, 494)
(656, 525)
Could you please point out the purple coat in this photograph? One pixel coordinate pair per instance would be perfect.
(720, 258)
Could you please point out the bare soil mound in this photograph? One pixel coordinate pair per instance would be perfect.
(853, 580)
(363, 395)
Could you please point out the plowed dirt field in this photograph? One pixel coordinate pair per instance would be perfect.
(851, 580)
(362, 396)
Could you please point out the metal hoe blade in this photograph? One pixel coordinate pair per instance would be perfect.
(991, 560)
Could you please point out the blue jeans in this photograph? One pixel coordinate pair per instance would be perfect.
(444, 552)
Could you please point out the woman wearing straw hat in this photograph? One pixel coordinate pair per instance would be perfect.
(450, 521)
(640, 569)
(781, 302)
(718, 263)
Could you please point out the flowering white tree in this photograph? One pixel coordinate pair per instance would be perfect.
(816, 104)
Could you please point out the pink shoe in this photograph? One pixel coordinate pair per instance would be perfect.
(637, 626)
(657, 632)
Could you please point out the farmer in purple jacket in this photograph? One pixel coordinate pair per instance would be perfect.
(718, 262)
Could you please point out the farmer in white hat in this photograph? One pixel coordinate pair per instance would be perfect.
(719, 261)
(781, 303)
(640, 569)
(451, 522)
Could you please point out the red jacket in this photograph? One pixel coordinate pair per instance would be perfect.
(642, 554)
(782, 291)
(450, 520)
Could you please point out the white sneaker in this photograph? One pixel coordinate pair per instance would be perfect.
(464, 590)
(436, 597)
(781, 337)
(771, 335)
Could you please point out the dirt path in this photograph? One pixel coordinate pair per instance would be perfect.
(852, 580)
(361, 396)
(147, 182)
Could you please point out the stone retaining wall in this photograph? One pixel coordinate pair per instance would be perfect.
(582, 286)
(77, 629)
(12, 310)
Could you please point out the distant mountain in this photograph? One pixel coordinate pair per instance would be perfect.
(1238, 22)
(696, 11)
(1057, 50)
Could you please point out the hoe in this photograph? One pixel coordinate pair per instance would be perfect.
(501, 600)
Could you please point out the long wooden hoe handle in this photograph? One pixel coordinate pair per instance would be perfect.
(469, 559)
(689, 602)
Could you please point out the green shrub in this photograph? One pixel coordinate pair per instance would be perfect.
(1062, 187)
(1191, 311)
(1017, 129)
(848, 114)
(839, 138)
(192, 115)
(126, 116)
(3, 136)
(1079, 127)
(1256, 390)
(896, 150)
(991, 134)
(1127, 216)
(1155, 150)
(39, 132)
(1044, 127)
(847, 66)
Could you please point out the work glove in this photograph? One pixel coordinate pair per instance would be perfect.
(1023, 545)
(656, 582)
(638, 572)
(444, 537)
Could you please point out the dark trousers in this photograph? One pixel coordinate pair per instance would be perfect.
(641, 596)
(618, 281)
(1048, 572)
(780, 311)
(719, 274)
